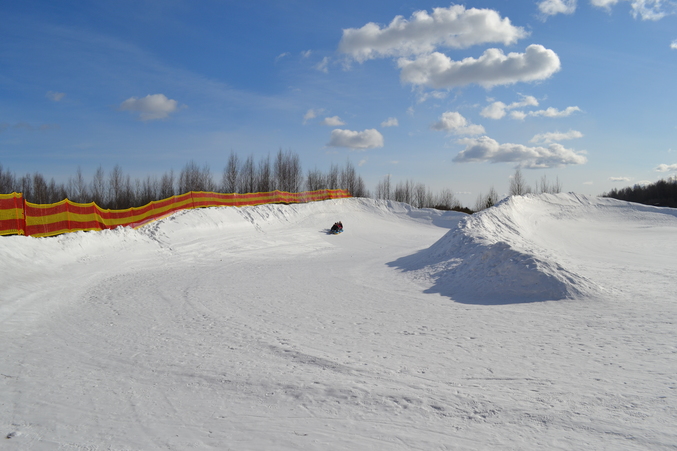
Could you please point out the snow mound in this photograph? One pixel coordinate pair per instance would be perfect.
(528, 248)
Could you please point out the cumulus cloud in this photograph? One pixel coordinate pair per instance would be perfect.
(666, 167)
(367, 139)
(552, 7)
(497, 110)
(55, 96)
(493, 68)
(546, 138)
(390, 122)
(485, 149)
(673, 44)
(151, 107)
(333, 121)
(453, 27)
(644, 9)
(454, 122)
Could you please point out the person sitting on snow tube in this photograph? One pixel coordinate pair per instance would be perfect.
(337, 227)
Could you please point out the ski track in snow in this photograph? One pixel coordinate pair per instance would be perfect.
(546, 322)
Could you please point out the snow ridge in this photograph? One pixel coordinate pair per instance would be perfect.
(510, 253)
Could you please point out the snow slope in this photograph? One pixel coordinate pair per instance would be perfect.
(547, 322)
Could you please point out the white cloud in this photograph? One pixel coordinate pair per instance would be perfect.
(333, 121)
(306, 53)
(311, 114)
(454, 122)
(497, 110)
(281, 55)
(151, 107)
(486, 149)
(519, 115)
(491, 69)
(552, 7)
(645, 9)
(673, 44)
(390, 122)
(323, 66)
(423, 96)
(556, 136)
(666, 167)
(548, 112)
(55, 96)
(367, 139)
(453, 27)
(620, 179)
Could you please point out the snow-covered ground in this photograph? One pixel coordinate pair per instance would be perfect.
(547, 322)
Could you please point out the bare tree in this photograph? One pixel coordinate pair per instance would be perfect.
(316, 180)
(247, 178)
(229, 182)
(333, 177)
(192, 178)
(483, 202)
(166, 189)
(550, 188)
(383, 189)
(518, 186)
(264, 176)
(77, 188)
(98, 188)
(7, 182)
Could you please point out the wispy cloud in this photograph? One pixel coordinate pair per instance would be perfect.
(55, 96)
(548, 112)
(27, 126)
(673, 44)
(620, 179)
(390, 122)
(323, 66)
(644, 9)
(546, 138)
(497, 110)
(311, 114)
(367, 139)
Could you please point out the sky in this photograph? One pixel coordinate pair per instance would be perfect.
(453, 95)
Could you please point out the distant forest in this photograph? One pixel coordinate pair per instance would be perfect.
(116, 190)
(663, 193)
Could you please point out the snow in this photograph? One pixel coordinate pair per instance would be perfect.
(546, 322)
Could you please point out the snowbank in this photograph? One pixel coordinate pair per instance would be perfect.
(528, 248)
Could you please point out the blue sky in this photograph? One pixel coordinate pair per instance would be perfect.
(453, 95)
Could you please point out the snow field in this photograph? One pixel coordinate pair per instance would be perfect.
(252, 328)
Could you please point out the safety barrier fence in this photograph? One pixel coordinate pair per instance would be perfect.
(19, 217)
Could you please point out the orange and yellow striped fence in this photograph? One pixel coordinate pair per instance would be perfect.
(19, 217)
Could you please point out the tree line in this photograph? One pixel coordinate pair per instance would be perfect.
(662, 193)
(116, 190)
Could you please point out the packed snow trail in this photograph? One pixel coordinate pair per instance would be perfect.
(252, 328)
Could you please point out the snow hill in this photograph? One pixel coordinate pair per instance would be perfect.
(546, 322)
